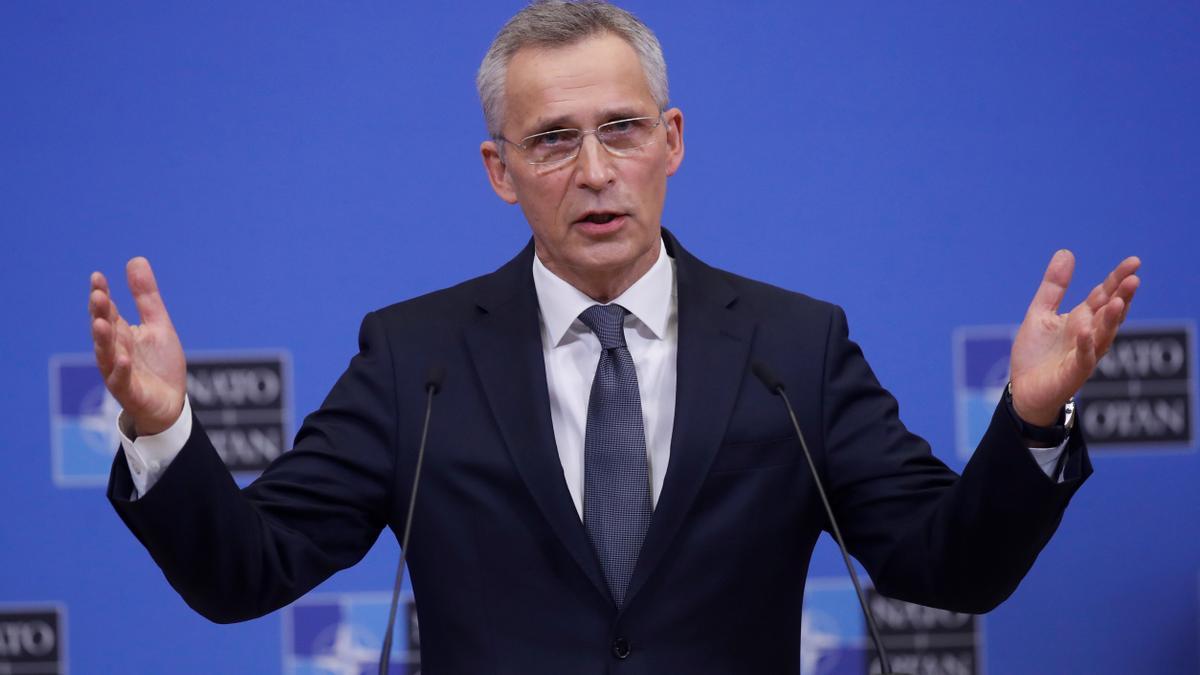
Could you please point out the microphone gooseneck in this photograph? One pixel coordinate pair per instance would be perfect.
(775, 386)
(433, 384)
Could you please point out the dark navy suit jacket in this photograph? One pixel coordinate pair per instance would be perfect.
(505, 579)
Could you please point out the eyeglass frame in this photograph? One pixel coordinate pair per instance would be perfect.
(582, 132)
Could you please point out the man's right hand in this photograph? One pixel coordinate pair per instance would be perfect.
(143, 366)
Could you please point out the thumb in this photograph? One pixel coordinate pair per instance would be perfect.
(145, 291)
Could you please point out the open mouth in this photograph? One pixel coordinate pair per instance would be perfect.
(600, 218)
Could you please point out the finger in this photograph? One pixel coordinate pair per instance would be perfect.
(1129, 266)
(99, 282)
(111, 351)
(1054, 282)
(109, 340)
(118, 378)
(98, 304)
(1128, 289)
(1106, 323)
(1085, 354)
(96, 294)
(1113, 282)
(99, 296)
(1097, 297)
(102, 306)
(102, 309)
(145, 291)
(103, 345)
(123, 354)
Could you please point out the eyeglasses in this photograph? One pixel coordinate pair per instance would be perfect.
(618, 137)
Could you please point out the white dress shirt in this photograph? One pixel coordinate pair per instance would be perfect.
(571, 352)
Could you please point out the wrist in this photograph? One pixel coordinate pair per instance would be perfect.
(1038, 416)
(1041, 430)
(147, 425)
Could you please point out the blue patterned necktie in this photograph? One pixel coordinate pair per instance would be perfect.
(616, 493)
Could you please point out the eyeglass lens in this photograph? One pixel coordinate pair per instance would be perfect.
(562, 144)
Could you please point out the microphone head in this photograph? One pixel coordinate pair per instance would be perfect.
(764, 375)
(434, 377)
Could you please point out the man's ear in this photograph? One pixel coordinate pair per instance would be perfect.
(674, 122)
(497, 171)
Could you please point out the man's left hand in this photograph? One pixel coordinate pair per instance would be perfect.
(1054, 354)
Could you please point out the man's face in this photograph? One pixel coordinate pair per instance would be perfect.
(582, 86)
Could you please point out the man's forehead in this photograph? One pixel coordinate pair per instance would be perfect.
(599, 76)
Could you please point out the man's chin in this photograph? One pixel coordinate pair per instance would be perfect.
(613, 256)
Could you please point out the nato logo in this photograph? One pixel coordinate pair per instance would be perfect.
(33, 639)
(981, 368)
(834, 638)
(83, 429)
(241, 398)
(342, 634)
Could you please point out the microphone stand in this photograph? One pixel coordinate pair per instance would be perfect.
(433, 383)
(775, 386)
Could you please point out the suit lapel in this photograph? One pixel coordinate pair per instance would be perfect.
(506, 347)
(714, 346)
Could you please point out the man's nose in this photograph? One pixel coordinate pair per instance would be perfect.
(593, 167)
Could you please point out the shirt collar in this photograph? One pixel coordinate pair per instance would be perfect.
(649, 298)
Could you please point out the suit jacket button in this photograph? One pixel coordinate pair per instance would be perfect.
(620, 648)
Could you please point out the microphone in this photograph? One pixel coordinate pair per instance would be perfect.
(433, 384)
(775, 386)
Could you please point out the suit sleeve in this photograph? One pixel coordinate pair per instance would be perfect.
(238, 554)
(923, 533)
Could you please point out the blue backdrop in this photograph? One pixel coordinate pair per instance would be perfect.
(917, 163)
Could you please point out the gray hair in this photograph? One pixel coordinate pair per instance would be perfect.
(560, 23)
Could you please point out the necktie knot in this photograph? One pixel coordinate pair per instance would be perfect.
(607, 322)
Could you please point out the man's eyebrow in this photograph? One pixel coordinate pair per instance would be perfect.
(547, 123)
(622, 112)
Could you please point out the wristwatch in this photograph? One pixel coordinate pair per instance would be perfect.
(1049, 437)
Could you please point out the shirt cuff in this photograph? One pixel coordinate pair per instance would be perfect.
(1047, 459)
(149, 456)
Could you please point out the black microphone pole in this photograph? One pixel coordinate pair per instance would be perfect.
(433, 383)
(775, 386)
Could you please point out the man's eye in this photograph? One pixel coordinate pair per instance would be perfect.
(620, 127)
(549, 140)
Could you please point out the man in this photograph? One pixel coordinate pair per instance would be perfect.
(607, 487)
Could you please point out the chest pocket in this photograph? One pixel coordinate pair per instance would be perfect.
(755, 454)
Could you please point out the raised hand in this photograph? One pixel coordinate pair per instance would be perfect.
(1054, 354)
(143, 366)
